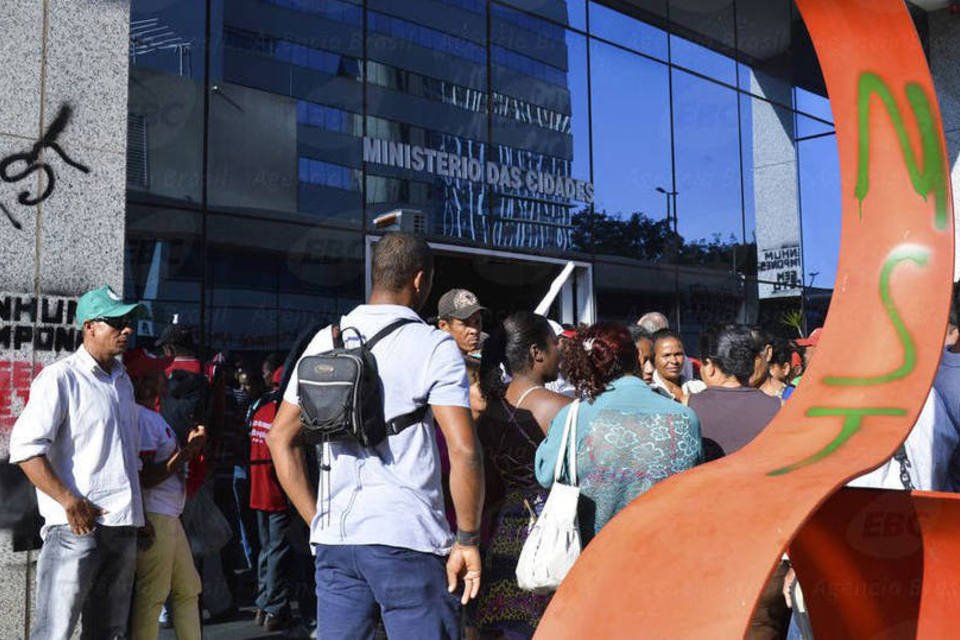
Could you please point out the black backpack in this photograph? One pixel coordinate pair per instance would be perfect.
(341, 394)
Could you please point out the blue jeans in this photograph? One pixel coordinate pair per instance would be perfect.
(273, 567)
(359, 584)
(89, 575)
(794, 633)
(241, 499)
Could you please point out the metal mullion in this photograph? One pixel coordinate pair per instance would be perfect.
(204, 179)
(743, 195)
(364, 116)
(592, 207)
(803, 279)
(489, 146)
(673, 175)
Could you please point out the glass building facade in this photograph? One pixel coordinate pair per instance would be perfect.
(682, 151)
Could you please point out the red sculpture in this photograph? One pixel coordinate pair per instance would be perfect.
(689, 558)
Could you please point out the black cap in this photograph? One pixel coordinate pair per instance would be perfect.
(459, 304)
(176, 335)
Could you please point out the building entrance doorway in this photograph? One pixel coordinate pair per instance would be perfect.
(507, 282)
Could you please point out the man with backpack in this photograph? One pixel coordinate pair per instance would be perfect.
(383, 547)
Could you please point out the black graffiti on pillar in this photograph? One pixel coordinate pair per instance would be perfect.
(31, 164)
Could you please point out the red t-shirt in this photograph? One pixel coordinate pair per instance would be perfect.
(265, 491)
(186, 363)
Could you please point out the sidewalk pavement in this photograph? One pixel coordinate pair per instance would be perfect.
(241, 627)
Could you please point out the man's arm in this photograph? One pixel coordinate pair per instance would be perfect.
(81, 513)
(289, 460)
(153, 473)
(466, 490)
(466, 464)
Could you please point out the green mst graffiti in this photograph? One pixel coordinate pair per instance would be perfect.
(852, 419)
(932, 177)
(903, 253)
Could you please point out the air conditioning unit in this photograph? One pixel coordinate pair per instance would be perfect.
(409, 220)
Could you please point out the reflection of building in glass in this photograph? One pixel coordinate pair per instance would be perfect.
(425, 86)
(252, 188)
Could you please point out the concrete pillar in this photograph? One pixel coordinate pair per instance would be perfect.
(63, 130)
(775, 193)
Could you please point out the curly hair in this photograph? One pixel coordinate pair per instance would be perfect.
(598, 355)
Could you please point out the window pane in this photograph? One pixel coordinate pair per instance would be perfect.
(285, 130)
(807, 127)
(566, 12)
(433, 39)
(540, 134)
(625, 291)
(631, 152)
(765, 85)
(427, 121)
(628, 31)
(702, 38)
(814, 104)
(165, 104)
(338, 10)
(268, 280)
(764, 30)
(707, 146)
(163, 265)
(820, 209)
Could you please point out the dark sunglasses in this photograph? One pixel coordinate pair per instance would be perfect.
(119, 323)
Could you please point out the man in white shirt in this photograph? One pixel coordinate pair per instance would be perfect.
(924, 460)
(383, 546)
(78, 442)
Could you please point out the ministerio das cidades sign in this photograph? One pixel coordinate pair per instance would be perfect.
(451, 165)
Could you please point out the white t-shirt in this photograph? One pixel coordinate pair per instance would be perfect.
(391, 494)
(930, 448)
(157, 443)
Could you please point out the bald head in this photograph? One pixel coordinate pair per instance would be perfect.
(653, 322)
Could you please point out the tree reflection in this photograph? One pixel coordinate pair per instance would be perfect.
(643, 238)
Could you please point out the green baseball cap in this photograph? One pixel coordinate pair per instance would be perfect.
(104, 303)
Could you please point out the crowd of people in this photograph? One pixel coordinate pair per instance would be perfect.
(164, 480)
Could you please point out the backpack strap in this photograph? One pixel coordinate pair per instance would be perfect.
(387, 330)
(401, 422)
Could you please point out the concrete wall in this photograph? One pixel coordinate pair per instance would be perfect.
(63, 61)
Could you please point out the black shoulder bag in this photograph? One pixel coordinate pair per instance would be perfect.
(341, 395)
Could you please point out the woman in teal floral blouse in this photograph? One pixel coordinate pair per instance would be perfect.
(628, 436)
